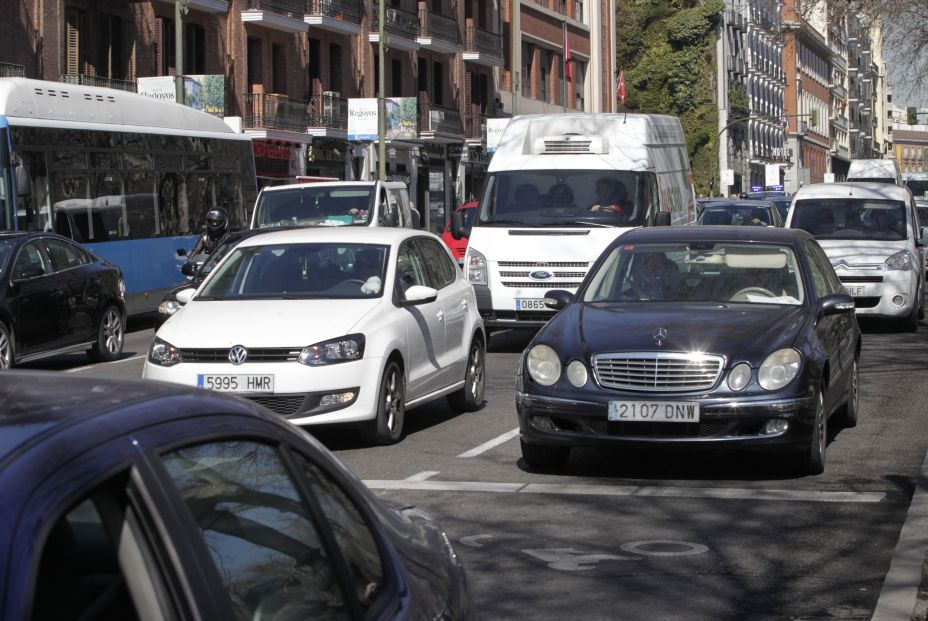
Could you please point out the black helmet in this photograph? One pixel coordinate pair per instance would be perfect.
(217, 221)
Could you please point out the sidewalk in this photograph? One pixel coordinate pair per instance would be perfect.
(904, 596)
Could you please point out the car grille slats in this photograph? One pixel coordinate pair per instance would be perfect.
(540, 264)
(657, 371)
(541, 285)
(283, 405)
(267, 354)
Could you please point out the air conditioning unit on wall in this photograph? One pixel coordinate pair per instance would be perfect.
(330, 101)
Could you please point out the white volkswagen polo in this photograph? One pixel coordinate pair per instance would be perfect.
(331, 326)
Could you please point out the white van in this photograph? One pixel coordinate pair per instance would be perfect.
(875, 171)
(872, 236)
(558, 190)
(336, 203)
(917, 182)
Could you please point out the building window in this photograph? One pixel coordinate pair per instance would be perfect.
(335, 68)
(194, 49)
(396, 77)
(77, 36)
(438, 84)
(278, 69)
(112, 52)
(255, 74)
(545, 68)
(527, 52)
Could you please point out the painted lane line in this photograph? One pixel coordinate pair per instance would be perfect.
(422, 476)
(486, 446)
(899, 594)
(608, 490)
(94, 366)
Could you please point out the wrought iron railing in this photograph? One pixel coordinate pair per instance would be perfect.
(347, 10)
(439, 120)
(290, 8)
(9, 70)
(438, 26)
(273, 111)
(482, 41)
(329, 111)
(398, 21)
(475, 125)
(93, 80)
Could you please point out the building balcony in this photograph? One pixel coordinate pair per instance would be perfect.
(475, 127)
(402, 27)
(437, 32)
(838, 121)
(338, 16)
(282, 15)
(482, 46)
(328, 116)
(272, 111)
(9, 70)
(839, 62)
(208, 6)
(838, 91)
(92, 80)
(438, 123)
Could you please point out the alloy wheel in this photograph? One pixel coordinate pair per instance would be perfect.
(112, 332)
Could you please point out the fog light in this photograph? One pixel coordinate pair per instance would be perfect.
(576, 373)
(336, 398)
(543, 423)
(776, 425)
(899, 300)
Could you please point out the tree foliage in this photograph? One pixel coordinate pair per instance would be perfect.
(666, 50)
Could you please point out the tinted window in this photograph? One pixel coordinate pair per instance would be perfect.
(410, 268)
(440, 266)
(259, 532)
(31, 256)
(851, 218)
(64, 255)
(824, 279)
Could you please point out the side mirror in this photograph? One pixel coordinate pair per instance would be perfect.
(415, 218)
(458, 230)
(558, 298)
(188, 269)
(837, 303)
(29, 272)
(662, 218)
(923, 237)
(419, 294)
(388, 218)
(23, 182)
(185, 295)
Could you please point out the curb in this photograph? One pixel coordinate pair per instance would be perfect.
(899, 595)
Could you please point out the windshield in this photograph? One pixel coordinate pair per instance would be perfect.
(289, 271)
(735, 214)
(565, 198)
(851, 218)
(714, 273)
(311, 205)
(919, 187)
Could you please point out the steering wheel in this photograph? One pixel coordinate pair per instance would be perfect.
(741, 296)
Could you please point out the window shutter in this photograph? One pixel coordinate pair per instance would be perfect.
(159, 42)
(72, 41)
(83, 26)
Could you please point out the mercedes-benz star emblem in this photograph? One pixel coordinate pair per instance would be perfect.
(238, 355)
(660, 335)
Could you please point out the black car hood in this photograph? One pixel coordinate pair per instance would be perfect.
(736, 331)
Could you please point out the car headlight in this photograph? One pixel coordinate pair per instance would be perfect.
(333, 351)
(163, 353)
(169, 307)
(902, 260)
(475, 267)
(577, 374)
(121, 289)
(779, 369)
(739, 377)
(543, 365)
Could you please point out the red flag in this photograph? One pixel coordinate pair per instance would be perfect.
(622, 87)
(568, 65)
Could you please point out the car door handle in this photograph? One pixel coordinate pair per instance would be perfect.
(440, 316)
(464, 304)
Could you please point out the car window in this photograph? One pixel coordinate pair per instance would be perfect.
(258, 530)
(410, 269)
(64, 255)
(441, 268)
(354, 537)
(30, 256)
(395, 202)
(824, 278)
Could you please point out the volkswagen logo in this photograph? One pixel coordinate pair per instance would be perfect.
(660, 335)
(238, 355)
(541, 275)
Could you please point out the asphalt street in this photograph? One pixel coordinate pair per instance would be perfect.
(653, 535)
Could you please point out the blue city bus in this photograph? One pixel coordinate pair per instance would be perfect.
(128, 176)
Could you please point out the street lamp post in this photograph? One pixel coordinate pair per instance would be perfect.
(381, 103)
(180, 9)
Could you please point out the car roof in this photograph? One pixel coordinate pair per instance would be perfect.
(329, 234)
(855, 189)
(321, 184)
(17, 234)
(748, 203)
(714, 233)
(37, 404)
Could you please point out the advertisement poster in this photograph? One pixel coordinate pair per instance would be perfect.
(401, 119)
(495, 129)
(201, 92)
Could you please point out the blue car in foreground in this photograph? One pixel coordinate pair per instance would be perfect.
(140, 500)
(709, 337)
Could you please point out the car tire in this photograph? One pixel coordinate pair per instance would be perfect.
(910, 323)
(812, 459)
(470, 397)
(7, 348)
(387, 428)
(849, 413)
(111, 336)
(544, 455)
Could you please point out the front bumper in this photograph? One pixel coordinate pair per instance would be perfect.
(499, 319)
(298, 388)
(723, 423)
(895, 295)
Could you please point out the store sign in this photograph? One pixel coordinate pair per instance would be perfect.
(771, 174)
(728, 177)
(495, 129)
(455, 151)
(271, 151)
(401, 119)
(201, 92)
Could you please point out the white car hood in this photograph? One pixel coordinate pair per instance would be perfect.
(860, 252)
(542, 244)
(263, 323)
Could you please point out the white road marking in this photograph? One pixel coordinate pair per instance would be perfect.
(422, 476)
(568, 559)
(610, 490)
(93, 366)
(486, 446)
(687, 548)
(472, 541)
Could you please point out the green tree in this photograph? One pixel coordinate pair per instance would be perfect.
(911, 114)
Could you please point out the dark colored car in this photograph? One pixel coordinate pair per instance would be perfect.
(143, 500)
(57, 297)
(748, 212)
(694, 337)
(780, 199)
(458, 247)
(196, 271)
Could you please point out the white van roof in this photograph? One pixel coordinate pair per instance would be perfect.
(858, 189)
(867, 170)
(585, 141)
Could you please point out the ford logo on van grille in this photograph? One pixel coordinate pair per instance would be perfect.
(541, 275)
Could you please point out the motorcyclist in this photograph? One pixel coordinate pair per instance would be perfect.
(217, 228)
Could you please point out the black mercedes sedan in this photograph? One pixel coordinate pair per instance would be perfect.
(711, 337)
(129, 499)
(57, 297)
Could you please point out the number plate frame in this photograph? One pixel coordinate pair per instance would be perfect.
(654, 411)
(531, 304)
(246, 383)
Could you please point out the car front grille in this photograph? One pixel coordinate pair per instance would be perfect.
(540, 285)
(858, 279)
(867, 302)
(276, 354)
(540, 264)
(657, 430)
(283, 405)
(657, 371)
